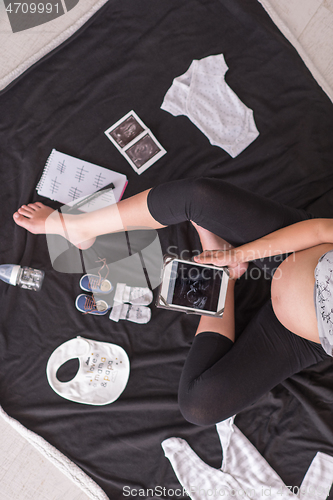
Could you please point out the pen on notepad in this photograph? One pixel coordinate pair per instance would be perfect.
(91, 197)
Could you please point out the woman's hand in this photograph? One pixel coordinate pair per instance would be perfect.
(219, 258)
(224, 258)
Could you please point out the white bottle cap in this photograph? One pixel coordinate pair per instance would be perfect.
(14, 273)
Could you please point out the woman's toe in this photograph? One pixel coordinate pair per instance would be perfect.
(22, 211)
(19, 219)
(26, 211)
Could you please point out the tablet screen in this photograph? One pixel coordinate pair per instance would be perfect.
(194, 286)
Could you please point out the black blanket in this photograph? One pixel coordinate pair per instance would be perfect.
(126, 58)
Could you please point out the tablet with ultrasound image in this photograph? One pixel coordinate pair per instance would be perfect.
(192, 287)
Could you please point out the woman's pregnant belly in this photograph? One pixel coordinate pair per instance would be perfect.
(292, 291)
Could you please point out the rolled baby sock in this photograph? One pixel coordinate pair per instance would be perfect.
(139, 296)
(136, 314)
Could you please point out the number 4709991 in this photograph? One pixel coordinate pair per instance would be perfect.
(32, 8)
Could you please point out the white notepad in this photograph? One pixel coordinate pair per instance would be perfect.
(68, 180)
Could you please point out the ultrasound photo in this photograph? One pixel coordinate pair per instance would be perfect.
(128, 130)
(142, 151)
(197, 287)
(135, 142)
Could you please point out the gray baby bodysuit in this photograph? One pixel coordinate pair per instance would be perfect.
(203, 95)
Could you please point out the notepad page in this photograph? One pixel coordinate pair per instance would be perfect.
(68, 180)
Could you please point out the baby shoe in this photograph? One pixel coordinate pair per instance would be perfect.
(134, 313)
(95, 284)
(134, 295)
(88, 305)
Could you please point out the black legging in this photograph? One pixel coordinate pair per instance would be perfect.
(220, 378)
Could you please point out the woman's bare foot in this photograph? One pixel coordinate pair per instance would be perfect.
(33, 218)
(210, 241)
(40, 219)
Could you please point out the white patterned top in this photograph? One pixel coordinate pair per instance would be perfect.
(323, 298)
(203, 95)
(244, 472)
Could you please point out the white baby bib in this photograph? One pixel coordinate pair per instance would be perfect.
(204, 97)
(102, 375)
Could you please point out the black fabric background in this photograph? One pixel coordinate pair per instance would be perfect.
(126, 58)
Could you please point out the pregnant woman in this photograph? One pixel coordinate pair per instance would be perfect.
(292, 331)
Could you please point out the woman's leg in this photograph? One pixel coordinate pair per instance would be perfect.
(221, 378)
(128, 214)
(232, 213)
(235, 214)
(225, 325)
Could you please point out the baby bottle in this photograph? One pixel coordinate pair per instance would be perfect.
(24, 277)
